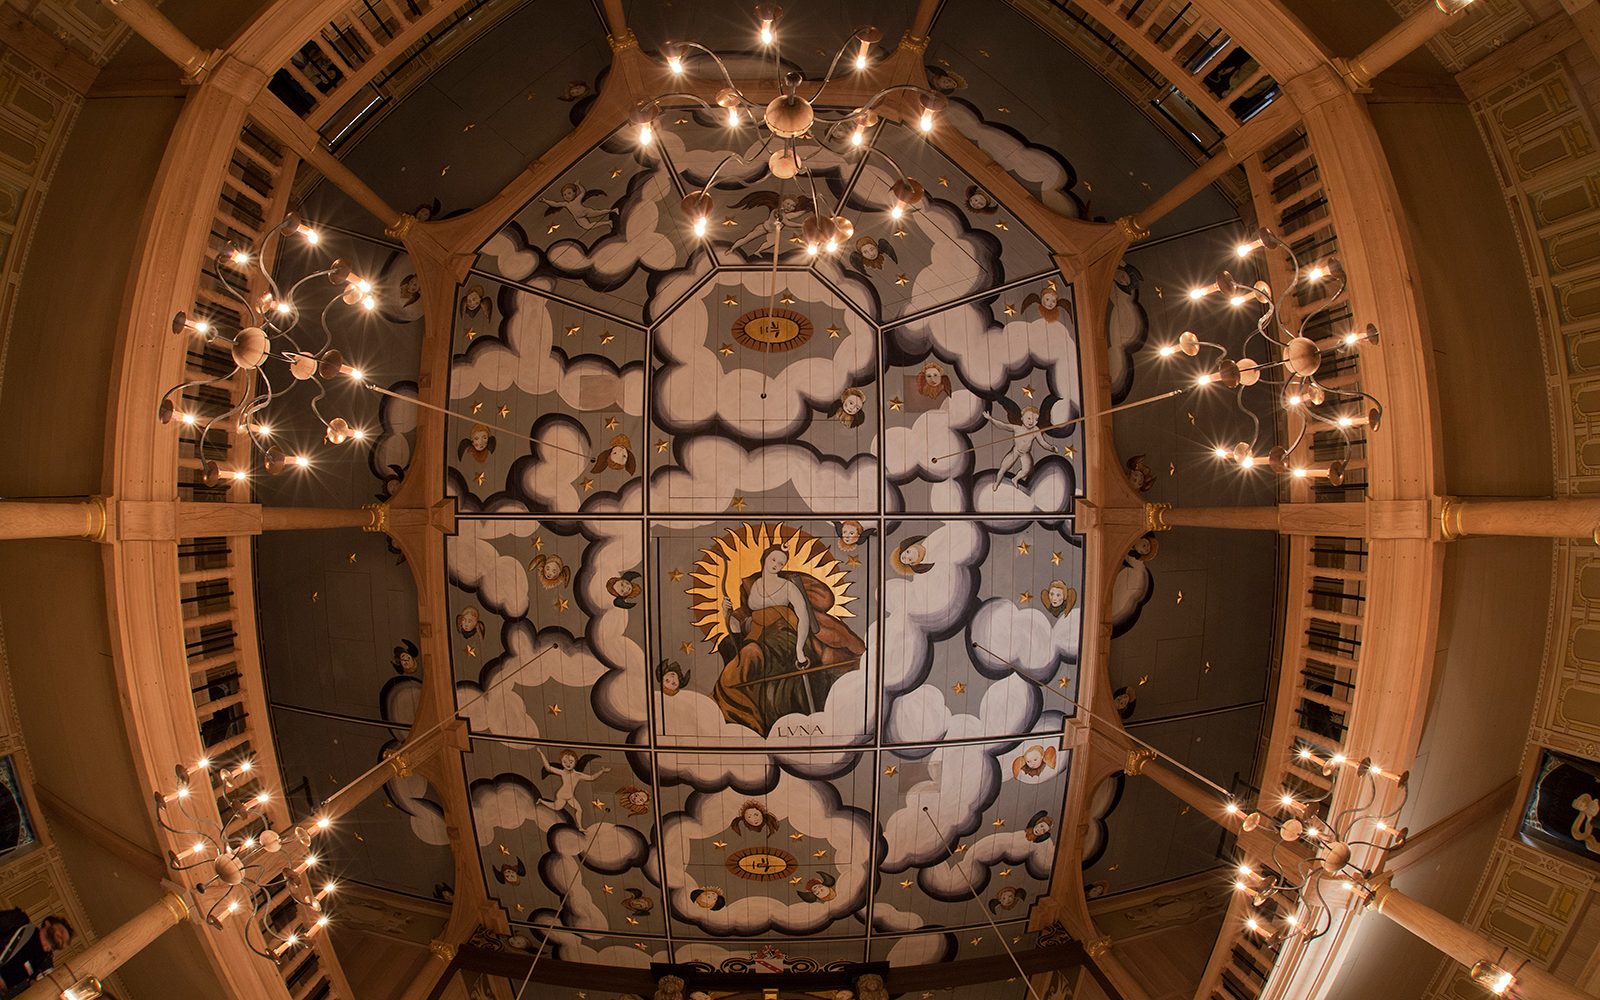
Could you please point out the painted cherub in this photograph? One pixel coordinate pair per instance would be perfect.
(852, 534)
(754, 816)
(910, 557)
(550, 570)
(573, 199)
(569, 767)
(819, 888)
(479, 443)
(1048, 302)
(978, 200)
(625, 590)
(1038, 827)
(618, 455)
(849, 408)
(708, 898)
(475, 303)
(634, 799)
(638, 902)
(470, 623)
(785, 212)
(869, 253)
(671, 677)
(932, 381)
(1034, 762)
(1007, 899)
(1058, 598)
(407, 660)
(1020, 457)
(509, 874)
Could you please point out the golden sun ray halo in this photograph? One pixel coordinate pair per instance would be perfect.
(736, 554)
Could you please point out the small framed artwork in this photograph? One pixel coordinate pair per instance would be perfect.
(1563, 808)
(16, 825)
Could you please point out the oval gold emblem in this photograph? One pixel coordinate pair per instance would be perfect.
(772, 330)
(761, 864)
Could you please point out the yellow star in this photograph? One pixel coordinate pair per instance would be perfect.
(479, 478)
(504, 411)
(608, 890)
(606, 337)
(731, 300)
(891, 770)
(906, 883)
(961, 849)
(444, 170)
(795, 880)
(1062, 683)
(1050, 284)
(521, 908)
(730, 221)
(833, 331)
(959, 687)
(797, 836)
(641, 946)
(726, 349)
(350, 557)
(553, 227)
(588, 484)
(1009, 309)
(1144, 680)
(1055, 559)
(611, 423)
(554, 709)
(978, 940)
(1022, 548)
(687, 648)
(1180, 597)
(1002, 227)
(984, 53)
(1003, 109)
(1024, 597)
(787, 298)
(504, 850)
(1005, 873)
(944, 182)
(899, 231)
(472, 650)
(797, 241)
(598, 804)
(998, 824)
(719, 844)
(538, 542)
(896, 403)
(476, 407)
(675, 575)
(852, 561)
(617, 172)
(738, 503)
(1027, 390)
(901, 279)
(572, 331)
(819, 855)
(561, 605)
(632, 921)
(681, 121)
(661, 445)
(471, 333)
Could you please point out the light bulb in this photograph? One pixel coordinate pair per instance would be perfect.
(284, 308)
(233, 907)
(240, 475)
(1197, 293)
(358, 433)
(1203, 379)
(1244, 249)
(1252, 924)
(301, 461)
(1295, 400)
(897, 213)
(292, 939)
(363, 286)
(198, 847)
(1239, 885)
(311, 236)
(1236, 300)
(1351, 337)
(1247, 462)
(311, 861)
(1345, 421)
(1222, 453)
(369, 303)
(329, 887)
(1290, 919)
(1316, 274)
(861, 62)
(183, 791)
(1167, 350)
(925, 123)
(1244, 870)
(239, 257)
(1287, 800)
(646, 135)
(1337, 758)
(201, 326)
(1305, 753)
(768, 36)
(1376, 770)
(322, 921)
(1299, 473)
(263, 798)
(700, 226)
(203, 763)
(263, 430)
(324, 823)
(187, 418)
(675, 63)
(858, 136)
(733, 117)
(249, 842)
(811, 249)
(831, 246)
(1232, 808)
(356, 374)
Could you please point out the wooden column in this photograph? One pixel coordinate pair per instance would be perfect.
(1467, 946)
(1402, 40)
(77, 518)
(151, 25)
(1250, 139)
(106, 955)
(371, 517)
(288, 127)
(1565, 518)
(1369, 519)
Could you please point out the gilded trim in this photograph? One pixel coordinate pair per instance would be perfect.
(624, 40)
(177, 906)
(379, 513)
(401, 226)
(443, 950)
(1138, 757)
(1155, 517)
(1132, 229)
(913, 43)
(1450, 525)
(1095, 947)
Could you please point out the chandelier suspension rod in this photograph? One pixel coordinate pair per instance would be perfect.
(414, 401)
(582, 856)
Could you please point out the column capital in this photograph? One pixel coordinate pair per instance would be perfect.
(1155, 516)
(442, 949)
(1138, 757)
(1095, 947)
(380, 517)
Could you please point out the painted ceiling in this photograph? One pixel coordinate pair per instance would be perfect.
(766, 630)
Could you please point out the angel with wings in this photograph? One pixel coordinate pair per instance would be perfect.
(479, 443)
(852, 534)
(1023, 425)
(1048, 302)
(570, 769)
(785, 211)
(870, 252)
(574, 201)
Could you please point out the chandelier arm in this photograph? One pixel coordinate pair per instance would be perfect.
(870, 148)
(727, 77)
(1304, 425)
(244, 300)
(1327, 304)
(197, 382)
(885, 92)
(854, 37)
(1370, 795)
(322, 320)
(1294, 262)
(705, 188)
(1255, 421)
(1267, 319)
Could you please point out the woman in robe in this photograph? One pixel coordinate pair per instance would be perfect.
(783, 626)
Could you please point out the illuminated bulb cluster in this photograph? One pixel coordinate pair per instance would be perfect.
(789, 119)
(269, 337)
(241, 872)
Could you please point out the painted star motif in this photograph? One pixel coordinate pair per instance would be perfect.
(687, 648)
(984, 53)
(471, 333)
(819, 855)
(1027, 391)
(641, 946)
(1172, 469)
(1069, 451)
(738, 503)
(797, 241)
(552, 228)
(675, 575)
(944, 182)
(891, 770)
(797, 836)
(661, 445)
(719, 844)
(787, 298)
(961, 849)
(1144, 680)
(1023, 548)
(1050, 284)
(1207, 668)
(521, 908)
(504, 411)
(553, 709)
(726, 349)
(731, 300)
(561, 605)
(588, 484)
(1024, 597)
(1005, 873)
(1002, 227)
(681, 121)
(606, 337)
(444, 170)
(906, 883)
(959, 687)
(1191, 419)
(476, 407)
(600, 805)
(730, 221)
(1055, 559)
(632, 921)
(852, 561)
(1062, 684)
(573, 330)
(472, 650)
(616, 172)
(901, 279)
(1087, 186)
(611, 423)
(977, 940)
(1180, 597)
(350, 557)
(1003, 109)
(538, 542)
(899, 232)
(1009, 309)
(504, 850)
(833, 331)
(470, 126)
(896, 403)
(608, 890)
(999, 824)
(479, 478)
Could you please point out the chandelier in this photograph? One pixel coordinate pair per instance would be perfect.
(241, 866)
(794, 130)
(1293, 373)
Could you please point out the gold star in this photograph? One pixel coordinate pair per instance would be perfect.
(984, 53)
(588, 484)
(797, 241)
(787, 298)
(1115, 868)
(611, 423)
(1055, 559)
(681, 121)
(906, 883)
(554, 709)
(521, 908)
(606, 337)
(1009, 309)
(1207, 668)
(726, 349)
(476, 407)
(1050, 284)
(572, 331)
(675, 575)
(1027, 390)
(1191, 419)
(901, 279)
(661, 445)
(444, 170)
(1069, 451)
(1022, 548)
(738, 503)
(470, 126)
(719, 844)
(959, 687)
(1172, 469)
(538, 542)
(504, 850)
(552, 228)
(833, 331)
(1005, 873)
(687, 648)
(472, 650)
(1062, 684)
(1144, 680)
(819, 855)
(891, 770)
(978, 940)
(961, 848)
(944, 182)
(730, 221)
(479, 478)
(1024, 597)
(316, 596)
(504, 411)
(1002, 227)
(600, 805)
(632, 921)
(852, 561)
(1087, 186)
(350, 557)
(616, 172)
(731, 300)
(561, 605)
(896, 403)
(1180, 597)
(1003, 109)
(471, 333)
(998, 824)
(795, 880)
(641, 946)
(608, 890)
(797, 836)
